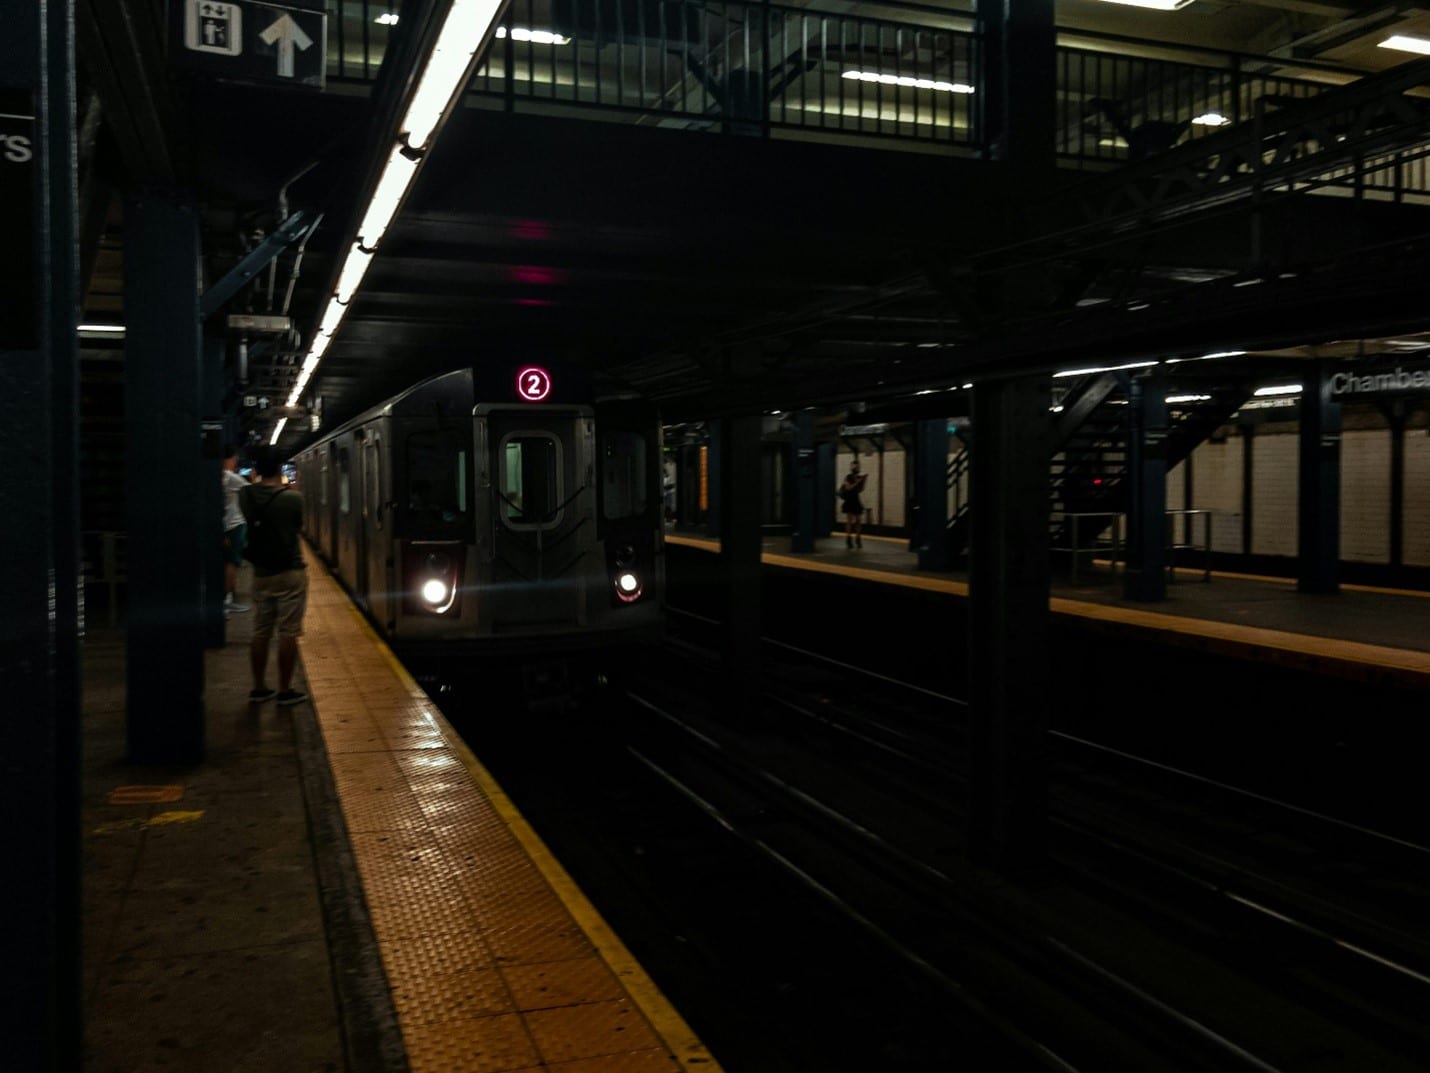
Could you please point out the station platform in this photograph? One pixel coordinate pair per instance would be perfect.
(1361, 633)
(340, 886)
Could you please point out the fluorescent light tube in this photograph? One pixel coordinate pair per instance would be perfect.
(332, 317)
(1403, 43)
(1156, 5)
(907, 81)
(1279, 389)
(1105, 369)
(354, 268)
(277, 431)
(1187, 398)
(536, 37)
(103, 329)
(391, 189)
(387, 18)
(443, 77)
(1211, 119)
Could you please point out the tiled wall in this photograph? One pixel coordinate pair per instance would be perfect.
(1417, 497)
(1273, 495)
(1365, 496)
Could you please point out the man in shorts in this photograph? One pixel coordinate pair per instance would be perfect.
(274, 514)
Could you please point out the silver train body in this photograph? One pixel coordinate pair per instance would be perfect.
(488, 514)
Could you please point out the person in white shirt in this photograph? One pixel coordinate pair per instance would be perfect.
(235, 531)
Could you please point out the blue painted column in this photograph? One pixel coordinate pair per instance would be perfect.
(931, 494)
(40, 595)
(1145, 577)
(167, 502)
(806, 470)
(1319, 500)
(1009, 585)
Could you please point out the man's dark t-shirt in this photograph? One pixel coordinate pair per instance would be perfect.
(275, 517)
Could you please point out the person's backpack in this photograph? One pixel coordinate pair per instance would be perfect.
(266, 548)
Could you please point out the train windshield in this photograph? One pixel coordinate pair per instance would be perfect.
(436, 475)
(624, 474)
(530, 480)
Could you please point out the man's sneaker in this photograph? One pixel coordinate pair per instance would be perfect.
(232, 606)
(292, 696)
(258, 696)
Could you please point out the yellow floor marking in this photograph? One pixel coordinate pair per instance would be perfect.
(164, 818)
(145, 795)
(682, 1042)
(1343, 656)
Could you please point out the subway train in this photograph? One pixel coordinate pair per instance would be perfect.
(496, 512)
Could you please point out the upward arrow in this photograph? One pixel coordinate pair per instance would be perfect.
(287, 34)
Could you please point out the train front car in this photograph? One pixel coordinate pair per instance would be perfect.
(505, 514)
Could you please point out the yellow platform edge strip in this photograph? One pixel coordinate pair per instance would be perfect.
(1348, 658)
(680, 1040)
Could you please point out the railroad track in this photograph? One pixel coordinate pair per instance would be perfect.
(1278, 965)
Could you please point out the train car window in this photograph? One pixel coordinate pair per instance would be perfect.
(624, 475)
(345, 492)
(530, 480)
(323, 479)
(436, 476)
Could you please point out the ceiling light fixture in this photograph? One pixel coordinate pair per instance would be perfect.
(1211, 119)
(387, 18)
(908, 81)
(277, 431)
(442, 78)
(1208, 357)
(1405, 43)
(1278, 389)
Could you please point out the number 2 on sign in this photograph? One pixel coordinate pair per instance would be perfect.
(533, 383)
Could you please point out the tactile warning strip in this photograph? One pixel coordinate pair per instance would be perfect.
(496, 962)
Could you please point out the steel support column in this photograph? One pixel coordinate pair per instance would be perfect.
(1019, 79)
(739, 469)
(824, 486)
(212, 529)
(1145, 577)
(714, 467)
(166, 501)
(40, 609)
(931, 493)
(805, 471)
(1319, 500)
(1009, 580)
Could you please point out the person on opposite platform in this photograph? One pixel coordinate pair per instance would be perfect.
(853, 506)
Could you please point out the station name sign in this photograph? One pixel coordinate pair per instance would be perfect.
(1397, 381)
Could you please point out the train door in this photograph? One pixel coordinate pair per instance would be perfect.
(377, 535)
(540, 472)
(330, 521)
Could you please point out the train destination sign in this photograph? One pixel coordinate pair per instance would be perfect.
(250, 41)
(19, 322)
(1381, 381)
(533, 383)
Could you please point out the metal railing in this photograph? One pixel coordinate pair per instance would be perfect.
(1187, 520)
(743, 68)
(910, 76)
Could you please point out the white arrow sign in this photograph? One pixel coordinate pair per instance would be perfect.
(287, 34)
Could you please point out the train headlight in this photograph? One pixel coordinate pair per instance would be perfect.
(435, 592)
(628, 587)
